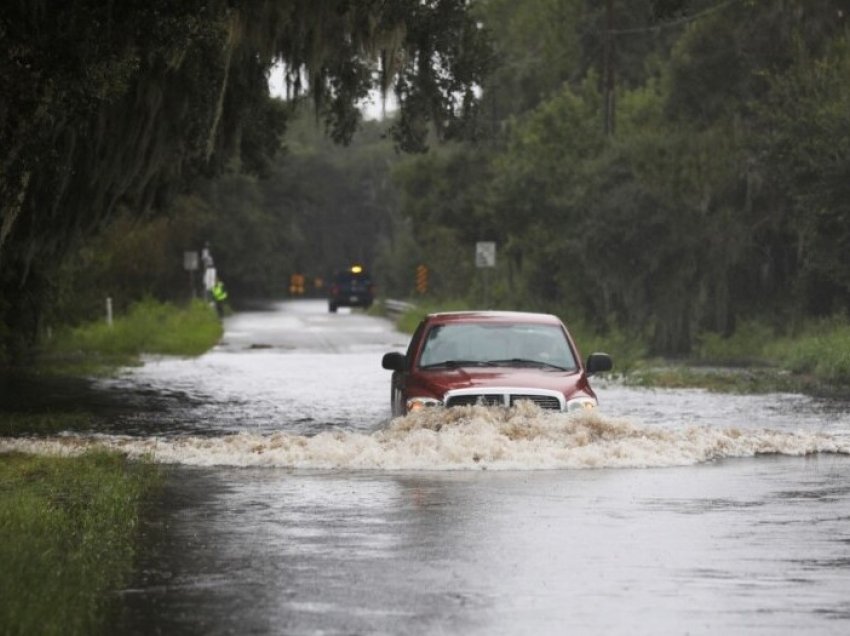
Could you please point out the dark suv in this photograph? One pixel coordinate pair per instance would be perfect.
(351, 288)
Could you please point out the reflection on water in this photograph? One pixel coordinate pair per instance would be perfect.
(710, 548)
(221, 393)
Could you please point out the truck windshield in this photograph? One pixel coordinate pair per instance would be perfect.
(505, 344)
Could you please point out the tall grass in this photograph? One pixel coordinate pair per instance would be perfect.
(822, 349)
(67, 532)
(749, 344)
(148, 327)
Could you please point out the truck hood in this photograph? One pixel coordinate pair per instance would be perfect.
(439, 381)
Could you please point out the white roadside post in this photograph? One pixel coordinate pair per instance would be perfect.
(109, 311)
(485, 258)
(190, 264)
(209, 282)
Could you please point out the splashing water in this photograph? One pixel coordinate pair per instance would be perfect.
(475, 437)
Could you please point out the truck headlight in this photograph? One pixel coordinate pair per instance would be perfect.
(416, 403)
(581, 404)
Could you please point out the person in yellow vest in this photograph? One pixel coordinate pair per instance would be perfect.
(219, 295)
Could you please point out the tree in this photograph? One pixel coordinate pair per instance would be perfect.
(806, 149)
(722, 196)
(105, 105)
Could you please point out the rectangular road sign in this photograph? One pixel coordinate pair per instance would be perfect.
(485, 254)
(190, 261)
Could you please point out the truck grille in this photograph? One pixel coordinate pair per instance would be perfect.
(543, 401)
(470, 400)
(547, 400)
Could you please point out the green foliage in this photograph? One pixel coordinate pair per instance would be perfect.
(442, 191)
(398, 255)
(628, 350)
(807, 149)
(148, 327)
(537, 49)
(129, 260)
(720, 200)
(336, 205)
(712, 221)
(250, 239)
(67, 536)
(748, 344)
(260, 230)
(741, 380)
(126, 105)
(822, 349)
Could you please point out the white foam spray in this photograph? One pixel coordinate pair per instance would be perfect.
(467, 438)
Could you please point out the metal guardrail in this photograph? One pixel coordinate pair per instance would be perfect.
(397, 307)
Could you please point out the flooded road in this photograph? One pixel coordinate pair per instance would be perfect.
(293, 505)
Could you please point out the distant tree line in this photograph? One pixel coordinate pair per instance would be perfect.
(721, 193)
(662, 167)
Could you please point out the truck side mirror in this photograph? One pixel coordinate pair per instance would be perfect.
(598, 363)
(393, 361)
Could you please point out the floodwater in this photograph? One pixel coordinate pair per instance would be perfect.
(293, 505)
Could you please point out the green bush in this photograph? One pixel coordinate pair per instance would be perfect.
(148, 327)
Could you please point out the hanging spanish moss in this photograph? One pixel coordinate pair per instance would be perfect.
(122, 105)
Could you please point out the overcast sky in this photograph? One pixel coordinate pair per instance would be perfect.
(371, 108)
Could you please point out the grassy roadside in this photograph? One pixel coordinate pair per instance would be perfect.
(815, 360)
(68, 526)
(149, 327)
(67, 536)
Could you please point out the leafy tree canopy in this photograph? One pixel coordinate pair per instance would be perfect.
(123, 104)
(720, 195)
